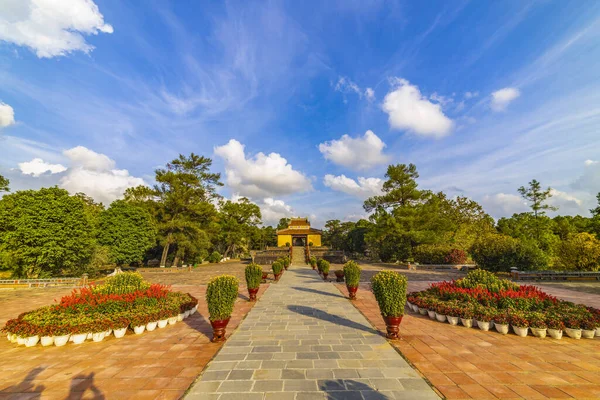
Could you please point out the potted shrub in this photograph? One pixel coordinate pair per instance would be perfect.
(173, 313)
(519, 324)
(555, 326)
(501, 321)
(452, 313)
(431, 307)
(220, 298)
(389, 289)
(120, 325)
(339, 275)
(483, 317)
(79, 333)
(138, 323)
(253, 274)
(286, 262)
(62, 333)
(588, 328)
(325, 269)
(313, 262)
(153, 319)
(440, 312)
(265, 275)
(99, 328)
(46, 335)
(352, 276)
(422, 305)
(466, 316)
(277, 268)
(537, 324)
(573, 327)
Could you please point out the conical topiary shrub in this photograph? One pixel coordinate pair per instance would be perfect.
(389, 289)
(352, 276)
(220, 298)
(254, 275)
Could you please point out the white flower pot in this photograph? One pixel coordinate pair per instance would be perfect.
(555, 333)
(78, 338)
(597, 331)
(573, 333)
(61, 340)
(431, 314)
(89, 336)
(187, 313)
(150, 326)
(31, 341)
(452, 320)
(520, 331)
(8, 335)
(539, 332)
(108, 332)
(501, 328)
(196, 309)
(180, 317)
(162, 323)
(139, 329)
(172, 320)
(98, 336)
(423, 311)
(440, 317)
(484, 326)
(47, 340)
(20, 340)
(13, 338)
(119, 333)
(588, 334)
(468, 322)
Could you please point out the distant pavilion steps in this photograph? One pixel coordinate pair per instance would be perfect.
(298, 255)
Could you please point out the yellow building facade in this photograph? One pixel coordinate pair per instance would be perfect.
(299, 233)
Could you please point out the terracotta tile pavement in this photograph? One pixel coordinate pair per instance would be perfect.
(465, 363)
(155, 365)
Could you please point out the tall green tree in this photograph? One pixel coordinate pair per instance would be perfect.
(128, 230)
(537, 198)
(45, 233)
(400, 189)
(236, 221)
(283, 223)
(4, 184)
(596, 211)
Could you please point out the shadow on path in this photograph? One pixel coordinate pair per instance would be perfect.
(345, 389)
(325, 316)
(80, 384)
(27, 386)
(318, 292)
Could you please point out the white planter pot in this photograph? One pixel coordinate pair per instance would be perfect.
(452, 320)
(588, 334)
(555, 333)
(13, 338)
(31, 341)
(89, 336)
(162, 323)
(108, 332)
(79, 338)
(484, 326)
(139, 329)
(180, 317)
(501, 328)
(423, 311)
(99, 336)
(520, 331)
(61, 340)
(20, 340)
(440, 317)
(468, 322)
(431, 314)
(172, 320)
(47, 340)
(196, 309)
(119, 333)
(597, 331)
(573, 333)
(8, 335)
(150, 326)
(539, 332)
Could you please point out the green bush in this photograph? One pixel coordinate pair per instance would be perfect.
(220, 296)
(325, 266)
(253, 276)
(277, 267)
(431, 253)
(214, 257)
(496, 253)
(580, 252)
(389, 289)
(352, 273)
(313, 261)
(127, 282)
(486, 280)
(285, 261)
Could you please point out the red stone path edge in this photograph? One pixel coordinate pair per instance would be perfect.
(465, 363)
(155, 365)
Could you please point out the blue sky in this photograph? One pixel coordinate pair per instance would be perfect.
(481, 96)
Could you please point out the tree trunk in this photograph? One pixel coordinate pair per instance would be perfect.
(227, 250)
(163, 259)
(175, 261)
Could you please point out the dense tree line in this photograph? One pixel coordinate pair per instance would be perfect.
(181, 219)
(411, 224)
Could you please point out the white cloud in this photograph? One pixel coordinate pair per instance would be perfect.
(37, 167)
(356, 153)
(260, 176)
(408, 109)
(443, 100)
(273, 210)
(95, 175)
(345, 85)
(503, 97)
(567, 203)
(503, 205)
(370, 94)
(7, 115)
(589, 181)
(470, 95)
(590, 162)
(364, 188)
(51, 28)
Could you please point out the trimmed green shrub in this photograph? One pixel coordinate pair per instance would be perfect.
(495, 253)
(285, 261)
(127, 282)
(220, 296)
(389, 288)
(325, 266)
(313, 261)
(431, 253)
(277, 267)
(253, 275)
(214, 257)
(486, 280)
(352, 273)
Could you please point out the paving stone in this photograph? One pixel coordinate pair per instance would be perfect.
(240, 375)
(235, 386)
(268, 386)
(263, 374)
(299, 385)
(293, 374)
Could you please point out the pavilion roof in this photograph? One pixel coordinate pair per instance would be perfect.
(296, 231)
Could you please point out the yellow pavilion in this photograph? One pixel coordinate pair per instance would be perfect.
(299, 233)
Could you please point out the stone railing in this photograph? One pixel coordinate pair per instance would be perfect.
(555, 275)
(42, 283)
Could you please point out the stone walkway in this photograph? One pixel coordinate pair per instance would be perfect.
(304, 340)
